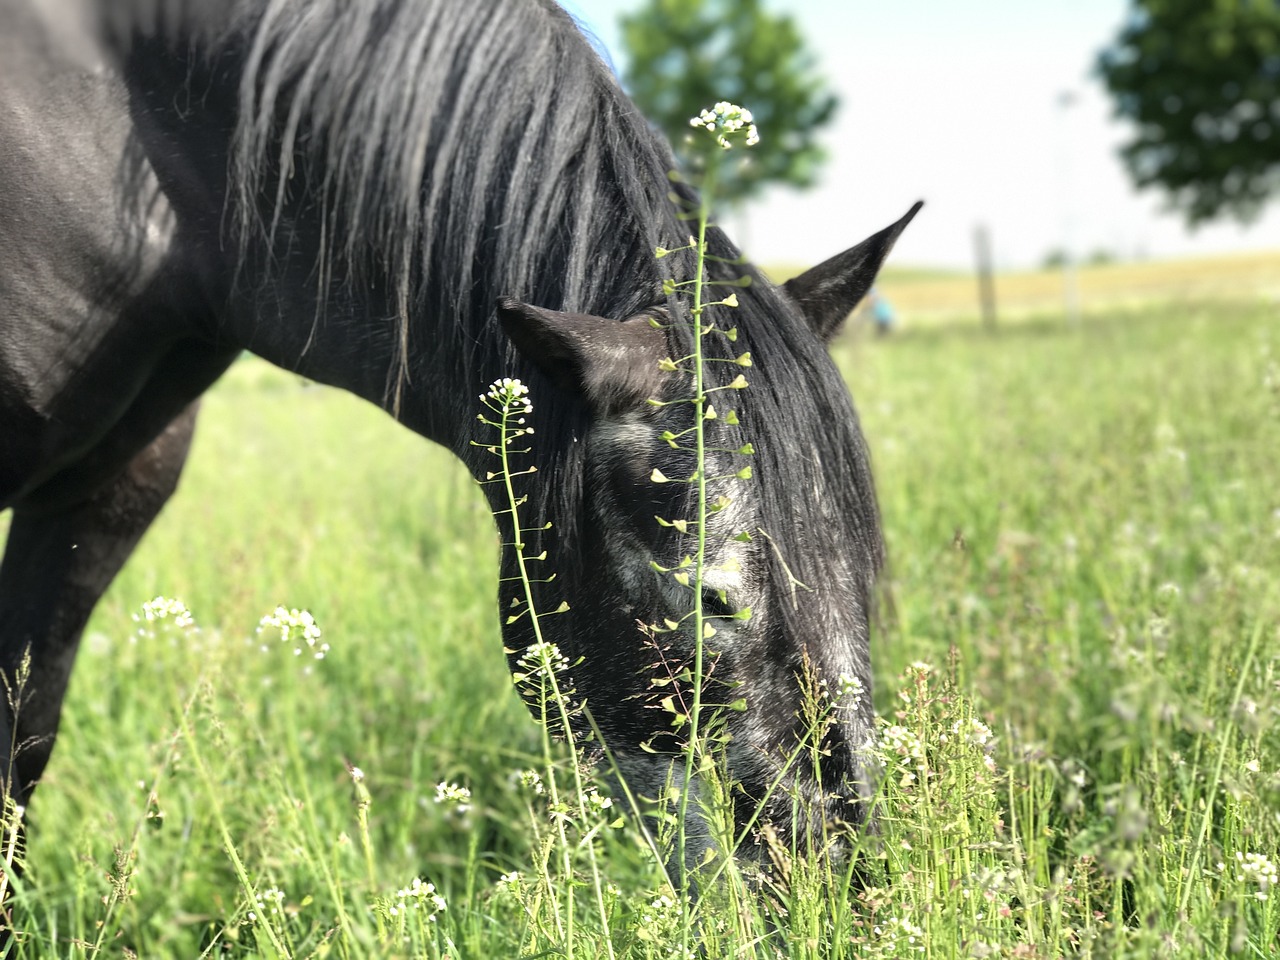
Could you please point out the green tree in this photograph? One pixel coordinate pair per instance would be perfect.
(685, 55)
(1201, 81)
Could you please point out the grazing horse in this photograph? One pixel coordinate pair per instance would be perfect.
(408, 199)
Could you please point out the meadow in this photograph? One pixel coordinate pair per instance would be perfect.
(1078, 668)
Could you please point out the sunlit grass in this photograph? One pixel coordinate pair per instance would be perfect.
(1084, 547)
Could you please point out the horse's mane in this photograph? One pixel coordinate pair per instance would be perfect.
(463, 149)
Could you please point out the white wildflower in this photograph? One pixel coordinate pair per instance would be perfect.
(267, 903)
(900, 936)
(531, 780)
(509, 393)
(849, 691)
(727, 122)
(973, 731)
(453, 795)
(297, 627)
(901, 746)
(659, 926)
(1256, 868)
(596, 802)
(541, 659)
(419, 896)
(164, 608)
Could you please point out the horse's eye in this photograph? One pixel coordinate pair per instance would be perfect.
(715, 604)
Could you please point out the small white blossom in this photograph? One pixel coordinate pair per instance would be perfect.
(357, 775)
(973, 731)
(509, 393)
(596, 802)
(542, 659)
(267, 903)
(164, 608)
(531, 780)
(453, 795)
(726, 122)
(849, 691)
(659, 926)
(899, 745)
(418, 896)
(900, 936)
(1256, 868)
(297, 627)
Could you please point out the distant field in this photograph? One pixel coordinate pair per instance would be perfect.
(925, 297)
(1084, 542)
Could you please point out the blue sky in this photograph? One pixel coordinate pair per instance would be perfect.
(957, 103)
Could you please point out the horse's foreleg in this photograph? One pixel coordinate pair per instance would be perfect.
(57, 564)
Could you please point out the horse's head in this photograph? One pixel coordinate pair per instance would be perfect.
(797, 544)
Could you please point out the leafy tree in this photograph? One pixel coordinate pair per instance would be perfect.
(685, 55)
(1201, 79)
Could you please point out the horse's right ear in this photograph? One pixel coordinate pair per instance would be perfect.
(612, 364)
(828, 293)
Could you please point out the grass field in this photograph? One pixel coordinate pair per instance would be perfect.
(1084, 528)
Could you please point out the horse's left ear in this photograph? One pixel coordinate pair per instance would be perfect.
(612, 364)
(828, 293)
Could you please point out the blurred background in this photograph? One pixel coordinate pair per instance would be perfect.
(1009, 118)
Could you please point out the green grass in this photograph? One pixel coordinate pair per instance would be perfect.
(1085, 546)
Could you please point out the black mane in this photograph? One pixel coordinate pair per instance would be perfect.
(458, 151)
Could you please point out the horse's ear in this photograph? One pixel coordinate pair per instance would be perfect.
(613, 364)
(828, 293)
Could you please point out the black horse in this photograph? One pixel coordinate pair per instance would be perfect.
(408, 199)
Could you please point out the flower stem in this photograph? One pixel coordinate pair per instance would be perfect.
(693, 750)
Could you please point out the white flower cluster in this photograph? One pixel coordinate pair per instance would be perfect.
(900, 936)
(726, 120)
(597, 802)
(298, 627)
(531, 780)
(418, 896)
(454, 795)
(849, 691)
(659, 926)
(268, 903)
(898, 741)
(163, 608)
(975, 733)
(1255, 868)
(900, 746)
(542, 659)
(509, 392)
